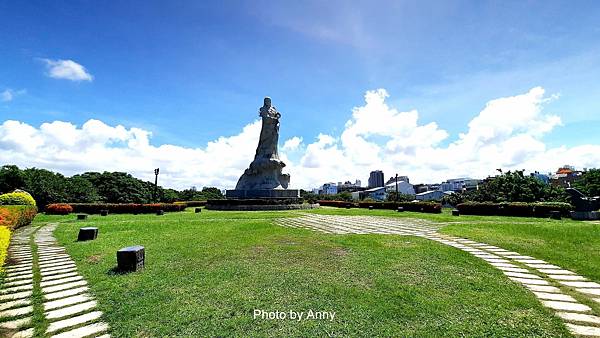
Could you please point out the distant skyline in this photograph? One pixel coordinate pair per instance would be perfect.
(432, 90)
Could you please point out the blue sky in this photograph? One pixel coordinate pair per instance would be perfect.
(191, 72)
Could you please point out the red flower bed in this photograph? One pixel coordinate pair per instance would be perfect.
(129, 208)
(59, 209)
(14, 216)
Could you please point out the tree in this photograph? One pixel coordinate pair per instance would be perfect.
(11, 178)
(80, 190)
(391, 197)
(45, 186)
(589, 182)
(211, 193)
(119, 187)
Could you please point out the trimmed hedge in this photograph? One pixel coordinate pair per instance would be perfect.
(17, 198)
(4, 241)
(191, 204)
(59, 209)
(130, 208)
(427, 207)
(519, 209)
(14, 216)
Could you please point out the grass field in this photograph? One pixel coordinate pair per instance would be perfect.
(206, 274)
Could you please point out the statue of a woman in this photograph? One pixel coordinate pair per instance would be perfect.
(265, 171)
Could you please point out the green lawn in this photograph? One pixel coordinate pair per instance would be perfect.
(206, 274)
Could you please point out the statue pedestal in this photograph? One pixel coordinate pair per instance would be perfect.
(263, 193)
(585, 215)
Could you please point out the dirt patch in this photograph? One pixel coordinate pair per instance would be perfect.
(340, 252)
(93, 259)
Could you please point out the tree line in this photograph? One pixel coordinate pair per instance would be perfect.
(108, 187)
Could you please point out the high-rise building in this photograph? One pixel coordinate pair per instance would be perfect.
(376, 179)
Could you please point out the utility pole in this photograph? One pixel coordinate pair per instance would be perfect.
(156, 171)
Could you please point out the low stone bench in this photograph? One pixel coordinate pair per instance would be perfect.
(455, 212)
(103, 212)
(160, 212)
(400, 209)
(87, 234)
(198, 210)
(131, 258)
(81, 216)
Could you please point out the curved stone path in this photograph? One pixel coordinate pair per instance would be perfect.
(65, 304)
(546, 281)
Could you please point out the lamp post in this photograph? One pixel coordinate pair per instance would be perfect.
(156, 171)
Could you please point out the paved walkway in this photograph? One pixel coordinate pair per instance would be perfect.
(65, 303)
(544, 280)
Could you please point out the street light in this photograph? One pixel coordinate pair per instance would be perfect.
(156, 171)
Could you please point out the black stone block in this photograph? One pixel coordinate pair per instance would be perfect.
(455, 212)
(87, 234)
(131, 258)
(103, 212)
(555, 215)
(81, 217)
(400, 209)
(370, 207)
(160, 212)
(198, 210)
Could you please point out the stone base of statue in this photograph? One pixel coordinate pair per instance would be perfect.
(585, 215)
(263, 193)
(258, 204)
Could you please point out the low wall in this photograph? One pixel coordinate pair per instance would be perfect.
(267, 207)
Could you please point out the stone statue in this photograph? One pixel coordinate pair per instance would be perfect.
(265, 170)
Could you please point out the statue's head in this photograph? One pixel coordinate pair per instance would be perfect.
(267, 102)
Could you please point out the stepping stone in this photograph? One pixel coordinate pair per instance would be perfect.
(567, 277)
(17, 295)
(529, 281)
(496, 260)
(55, 268)
(14, 303)
(16, 312)
(57, 264)
(542, 266)
(84, 331)
(18, 275)
(18, 282)
(566, 306)
(554, 296)
(15, 324)
(579, 317)
(531, 261)
(66, 293)
(584, 330)
(56, 272)
(17, 289)
(513, 269)
(556, 271)
(543, 288)
(23, 269)
(521, 275)
(55, 288)
(74, 321)
(581, 284)
(64, 275)
(66, 301)
(60, 281)
(18, 267)
(24, 334)
(70, 310)
(503, 265)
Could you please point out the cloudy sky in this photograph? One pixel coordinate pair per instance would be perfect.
(432, 90)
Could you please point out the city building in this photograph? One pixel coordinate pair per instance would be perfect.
(419, 188)
(378, 193)
(541, 177)
(329, 189)
(460, 184)
(376, 179)
(350, 187)
(400, 178)
(435, 195)
(565, 176)
(403, 188)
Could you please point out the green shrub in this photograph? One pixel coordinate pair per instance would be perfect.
(428, 207)
(514, 209)
(14, 216)
(17, 198)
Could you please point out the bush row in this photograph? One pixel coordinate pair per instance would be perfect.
(428, 207)
(514, 209)
(17, 198)
(96, 208)
(14, 216)
(192, 204)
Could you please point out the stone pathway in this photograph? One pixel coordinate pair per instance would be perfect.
(546, 281)
(66, 304)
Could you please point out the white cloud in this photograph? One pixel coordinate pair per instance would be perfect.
(67, 69)
(292, 144)
(9, 94)
(506, 134)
